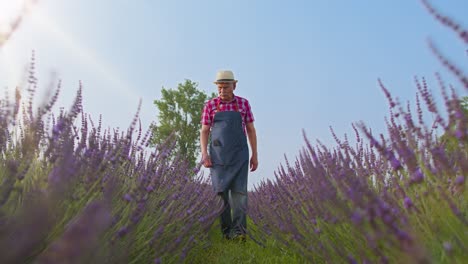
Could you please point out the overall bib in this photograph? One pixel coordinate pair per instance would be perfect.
(230, 158)
(229, 152)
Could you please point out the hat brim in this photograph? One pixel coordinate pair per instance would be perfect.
(225, 81)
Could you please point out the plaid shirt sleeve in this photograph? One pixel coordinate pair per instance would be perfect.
(249, 118)
(206, 114)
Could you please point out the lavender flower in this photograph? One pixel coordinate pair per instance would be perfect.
(122, 231)
(127, 197)
(448, 246)
(396, 164)
(357, 217)
(417, 176)
(460, 180)
(408, 203)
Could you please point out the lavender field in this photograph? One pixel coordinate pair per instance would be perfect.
(74, 192)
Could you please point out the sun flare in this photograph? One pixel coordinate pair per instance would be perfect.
(10, 10)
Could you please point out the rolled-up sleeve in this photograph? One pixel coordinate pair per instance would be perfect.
(206, 114)
(249, 118)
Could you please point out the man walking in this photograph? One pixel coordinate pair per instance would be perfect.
(227, 121)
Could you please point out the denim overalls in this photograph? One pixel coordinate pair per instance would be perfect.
(230, 158)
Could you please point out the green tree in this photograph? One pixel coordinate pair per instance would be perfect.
(180, 113)
(465, 104)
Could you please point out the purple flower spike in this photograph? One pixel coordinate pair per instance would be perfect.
(396, 165)
(407, 202)
(417, 176)
(352, 260)
(356, 217)
(403, 236)
(460, 180)
(128, 197)
(387, 219)
(122, 232)
(448, 246)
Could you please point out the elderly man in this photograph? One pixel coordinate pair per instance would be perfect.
(228, 119)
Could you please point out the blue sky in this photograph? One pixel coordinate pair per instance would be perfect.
(302, 64)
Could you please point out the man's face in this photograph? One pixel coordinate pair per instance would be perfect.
(226, 90)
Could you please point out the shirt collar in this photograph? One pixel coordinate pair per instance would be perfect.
(232, 101)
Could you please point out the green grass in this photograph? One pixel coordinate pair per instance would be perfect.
(215, 249)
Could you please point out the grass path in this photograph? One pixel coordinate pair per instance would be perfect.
(217, 250)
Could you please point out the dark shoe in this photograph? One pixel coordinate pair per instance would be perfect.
(239, 237)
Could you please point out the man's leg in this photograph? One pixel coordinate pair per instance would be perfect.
(225, 218)
(239, 206)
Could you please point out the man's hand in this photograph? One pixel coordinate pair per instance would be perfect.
(253, 163)
(252, 134)
(204, 135)
(207, 161)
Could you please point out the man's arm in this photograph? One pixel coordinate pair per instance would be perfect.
(252, 134)
(204, 135)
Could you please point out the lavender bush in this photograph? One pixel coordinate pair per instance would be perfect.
(73, 192)
(81, 194)
(400, 199)
(394, 198)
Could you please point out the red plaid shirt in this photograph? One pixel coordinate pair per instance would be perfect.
(242, 104)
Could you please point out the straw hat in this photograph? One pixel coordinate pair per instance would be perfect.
(224, 76)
